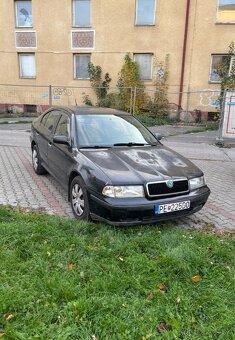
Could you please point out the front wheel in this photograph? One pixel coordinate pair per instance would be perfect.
(79, 199)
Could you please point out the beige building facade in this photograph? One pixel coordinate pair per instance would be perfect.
(48, 42)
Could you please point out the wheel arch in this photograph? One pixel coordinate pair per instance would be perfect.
(71, 177)
(32, 144)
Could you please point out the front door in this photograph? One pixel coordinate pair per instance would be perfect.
(60, 157)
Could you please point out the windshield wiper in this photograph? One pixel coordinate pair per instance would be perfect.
(132, 144)
(95, 147)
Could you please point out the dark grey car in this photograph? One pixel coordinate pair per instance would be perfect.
(114, 169)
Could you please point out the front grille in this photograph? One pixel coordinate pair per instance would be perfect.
(157, 189)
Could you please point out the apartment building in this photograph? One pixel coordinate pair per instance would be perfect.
(52, 42)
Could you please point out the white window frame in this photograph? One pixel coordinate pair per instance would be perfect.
(16, 13)
(147, 53)
(82, 48)
(230, 67)
(26, 47)
(136, 14)
(74, 10)
(74, 65)
(20, 65)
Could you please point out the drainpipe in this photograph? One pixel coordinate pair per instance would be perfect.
(184, 56)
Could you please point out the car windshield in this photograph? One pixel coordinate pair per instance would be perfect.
(99, 130)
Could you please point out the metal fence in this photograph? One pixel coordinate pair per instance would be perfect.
(197, 104)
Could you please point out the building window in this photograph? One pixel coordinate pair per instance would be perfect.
(216, 62)
(145, 65)
(226, 11)
(27, 65)
(23, 11)
(145, 12)
(82, 13)
(81, 62)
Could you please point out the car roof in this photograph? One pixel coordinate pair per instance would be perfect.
(81, 110)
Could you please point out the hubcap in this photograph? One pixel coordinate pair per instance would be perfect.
(77, 200)
(35, 159)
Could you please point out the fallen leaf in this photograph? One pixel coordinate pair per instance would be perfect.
(227, 267)
(9, 317)
(2, 335)
(150, 296)
(162, 327)
(121, 259)
(148, 336)
(48, 253)
(82, 274)
(178, 299)
(70, 267)
(162, 288)
(94, 337)
(196, 278)
(210, 225)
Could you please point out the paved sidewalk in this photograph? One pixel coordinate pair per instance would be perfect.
(20, 186)
(218, 165)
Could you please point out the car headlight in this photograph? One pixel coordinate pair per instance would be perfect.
(123, 191)
(196, 182)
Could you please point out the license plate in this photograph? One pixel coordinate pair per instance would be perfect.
(171, 207)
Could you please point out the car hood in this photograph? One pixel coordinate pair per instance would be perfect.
(134, 165)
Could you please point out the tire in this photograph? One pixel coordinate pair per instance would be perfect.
(79, 199)
(36, 160)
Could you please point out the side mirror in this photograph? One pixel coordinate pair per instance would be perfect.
(61, 140)
(158, 136)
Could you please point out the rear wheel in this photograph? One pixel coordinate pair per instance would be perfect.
(79, 199)
(36, 160)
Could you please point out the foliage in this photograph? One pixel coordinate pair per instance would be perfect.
(227, 78)
(86, 100)
(112, 100)
(99, 85)
(64, 279)
(129, 77)
(150, 120)
(158, 106)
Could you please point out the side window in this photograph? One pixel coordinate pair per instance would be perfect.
(23, 13)
(226, 11)
(63, 127)
(82, 13)
(145, 12)
(44, 118)
(144, 60)
(218, 61)
(51, 120)
(81, 62)
(27, 65)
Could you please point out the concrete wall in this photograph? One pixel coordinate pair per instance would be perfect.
(115, 35)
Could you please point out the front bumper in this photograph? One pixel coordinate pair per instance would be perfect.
(127, 212)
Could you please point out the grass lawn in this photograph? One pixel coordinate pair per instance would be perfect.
(62, 279)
